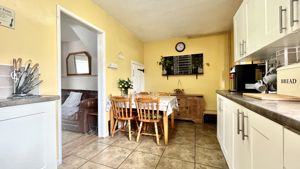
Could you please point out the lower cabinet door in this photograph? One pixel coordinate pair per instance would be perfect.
(228, 129)
(241, 145)
(266, 143)
(291, 150)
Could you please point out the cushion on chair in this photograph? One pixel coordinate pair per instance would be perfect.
(73, 100)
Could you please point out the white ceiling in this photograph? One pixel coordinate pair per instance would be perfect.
(154, 20)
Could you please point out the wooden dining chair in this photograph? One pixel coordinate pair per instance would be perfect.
(164, 94)
(122, 111)
(148, 112)
(143, 93)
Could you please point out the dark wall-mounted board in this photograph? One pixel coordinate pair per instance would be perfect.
(185, 65)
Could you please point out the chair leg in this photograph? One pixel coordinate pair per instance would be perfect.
(114, 129)
(129, 129)
(161, 127)
(144, 127)
(156, 133)
(139, 133)
(137, 124)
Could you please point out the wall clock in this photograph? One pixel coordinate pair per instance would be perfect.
(180, 46)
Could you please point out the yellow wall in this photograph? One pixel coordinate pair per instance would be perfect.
(35, 38)
(216, 50)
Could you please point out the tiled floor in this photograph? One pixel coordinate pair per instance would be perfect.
(191, 146)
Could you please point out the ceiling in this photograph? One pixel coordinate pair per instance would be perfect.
(153, 20)
(68, 25)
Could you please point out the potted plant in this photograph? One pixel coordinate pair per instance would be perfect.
(124, 85)
(165, 63)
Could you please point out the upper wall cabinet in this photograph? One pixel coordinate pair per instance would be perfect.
(240, 33)
(276, 19)
(262, 23)
(255, 12)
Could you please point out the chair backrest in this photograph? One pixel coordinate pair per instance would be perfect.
(121, 106)
(147, 108)
(143, 93)
(164, 94)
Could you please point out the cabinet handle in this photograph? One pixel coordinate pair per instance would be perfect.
(292, 17)
(238, 122)
(241, 49)
(280, 19)
(243, 126)
(244, 47)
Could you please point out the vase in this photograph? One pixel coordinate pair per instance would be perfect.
(164, 71)
(124, 92)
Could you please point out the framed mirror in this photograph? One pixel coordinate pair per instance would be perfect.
(79, 63)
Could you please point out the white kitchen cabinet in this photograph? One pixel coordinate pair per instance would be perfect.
(240, 33)
(291, 149)
(241, 138)
(294, 17)
(255, 14)
(266, 143)
(276, 19)
(220, 101)
(28, 136)
(225, 128)
(228, 131)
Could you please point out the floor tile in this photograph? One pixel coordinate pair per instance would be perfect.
(200, 166)
(112, 156)
(110, 140)
(78, 143)
(90, 150)
(169, 163)
(207, 141)
(72, 162)
(206, 129)
(149, 146)
(180, 152)
(91, 165)
(126, 143)
(140, 160)
(185, 124)
(68, 136)
(184, 140)
(210, 157)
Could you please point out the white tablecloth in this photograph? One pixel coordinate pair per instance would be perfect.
(167, 103)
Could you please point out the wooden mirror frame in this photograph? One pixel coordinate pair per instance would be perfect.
(89, 64)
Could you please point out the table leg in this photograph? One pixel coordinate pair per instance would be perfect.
(172, 120)
(111, 121)
(166, 127)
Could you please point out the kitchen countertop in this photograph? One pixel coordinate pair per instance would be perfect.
(286, 113)
(27, 100)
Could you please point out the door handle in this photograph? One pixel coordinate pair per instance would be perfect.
(292, 16)
(243, 126)
(238, 122)
(281, 28)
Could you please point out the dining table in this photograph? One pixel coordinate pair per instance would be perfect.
(167, 105)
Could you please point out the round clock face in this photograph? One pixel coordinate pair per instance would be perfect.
(180, 46)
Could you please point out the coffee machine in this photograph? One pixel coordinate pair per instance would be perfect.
(243, 77)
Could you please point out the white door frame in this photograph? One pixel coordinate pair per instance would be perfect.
(101, 54)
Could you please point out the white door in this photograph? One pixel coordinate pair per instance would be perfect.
(137, 77)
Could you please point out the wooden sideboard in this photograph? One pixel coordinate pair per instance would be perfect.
(191, 107)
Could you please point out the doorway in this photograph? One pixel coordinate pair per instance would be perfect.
(100, 71)
(137, 76)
